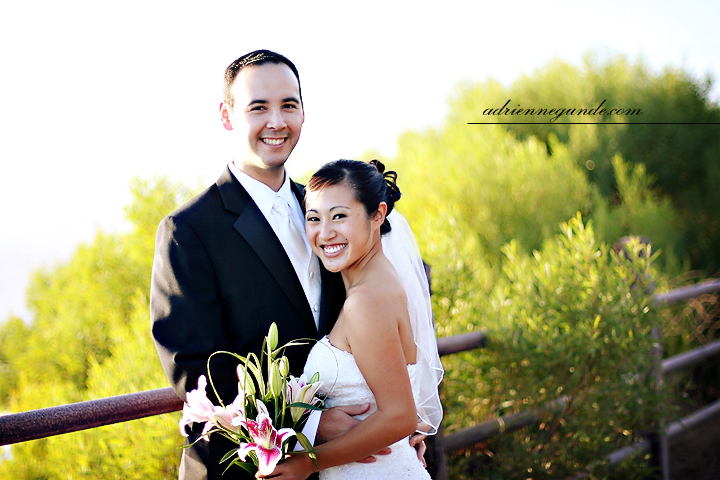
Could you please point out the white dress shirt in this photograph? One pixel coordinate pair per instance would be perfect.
(264, 197)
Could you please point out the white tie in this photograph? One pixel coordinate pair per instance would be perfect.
(289, 234)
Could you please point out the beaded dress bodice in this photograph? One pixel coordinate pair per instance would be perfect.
(344, 384)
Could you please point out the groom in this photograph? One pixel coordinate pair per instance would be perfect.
(226, 266)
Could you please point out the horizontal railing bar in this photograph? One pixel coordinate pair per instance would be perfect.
(686, 293)
(509, 423)
(503, 424)
(619, 455)
(691, 357)
(693, 420)
(486, 430)
(688, 423)
(461, 343)
(47, 422)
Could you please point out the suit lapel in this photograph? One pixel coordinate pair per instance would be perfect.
(299, 192)
(332, 297)
(257, 232)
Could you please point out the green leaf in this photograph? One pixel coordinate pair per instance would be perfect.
(248, 467)
(307, 448)
(228, 456)
(307, 406)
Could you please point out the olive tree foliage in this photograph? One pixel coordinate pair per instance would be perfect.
(571, 322)
(678, 142)
(484, 179)
(90, 338)
(640, 211)
(13, 334)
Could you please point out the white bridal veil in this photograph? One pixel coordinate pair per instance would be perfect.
(401, 249)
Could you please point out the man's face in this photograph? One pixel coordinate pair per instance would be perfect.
(266, 119)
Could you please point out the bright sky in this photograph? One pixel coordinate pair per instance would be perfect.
(95, 93)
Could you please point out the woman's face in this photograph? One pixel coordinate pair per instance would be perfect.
(338, 228)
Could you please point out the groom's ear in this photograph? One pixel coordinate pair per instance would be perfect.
(225, 116)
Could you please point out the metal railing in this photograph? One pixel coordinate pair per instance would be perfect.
(47, 422)
(508, 423)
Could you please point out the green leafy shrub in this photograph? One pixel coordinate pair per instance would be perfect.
(640, 211)
(570, 322)
(483, 178)
(678, 139)
(90, 339)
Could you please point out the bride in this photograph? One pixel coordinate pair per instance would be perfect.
(382, 348)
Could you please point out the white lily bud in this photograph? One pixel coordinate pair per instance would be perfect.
(245, 382)
(272, 337)
(276, 380)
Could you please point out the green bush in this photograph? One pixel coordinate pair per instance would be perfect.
(681, 153)
(482, 180)
(90, 339)
(574, 322)
(640, 211)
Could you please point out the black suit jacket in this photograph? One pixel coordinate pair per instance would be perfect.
(220, 278)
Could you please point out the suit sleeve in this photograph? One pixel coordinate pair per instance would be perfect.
(186, 311)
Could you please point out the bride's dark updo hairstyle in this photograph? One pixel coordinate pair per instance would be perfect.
(369, 183)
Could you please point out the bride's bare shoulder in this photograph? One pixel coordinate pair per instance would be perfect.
(378, 300)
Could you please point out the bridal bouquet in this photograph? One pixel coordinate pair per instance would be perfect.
(264, 415)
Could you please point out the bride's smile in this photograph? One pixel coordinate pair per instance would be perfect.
(338, 227)
(332, 250)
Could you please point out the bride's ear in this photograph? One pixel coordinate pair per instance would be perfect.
(378, 217)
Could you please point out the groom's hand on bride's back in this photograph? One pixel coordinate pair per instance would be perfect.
(336, 421)
(417, 441)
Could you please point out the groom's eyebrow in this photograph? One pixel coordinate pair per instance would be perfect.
(284, 100)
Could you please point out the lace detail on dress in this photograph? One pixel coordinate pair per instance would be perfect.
(343, 384)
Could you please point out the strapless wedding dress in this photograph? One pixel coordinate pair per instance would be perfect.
(345, 385)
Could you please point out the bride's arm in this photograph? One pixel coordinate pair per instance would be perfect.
(372, 329)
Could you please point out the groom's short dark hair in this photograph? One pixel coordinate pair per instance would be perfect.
(258, 57)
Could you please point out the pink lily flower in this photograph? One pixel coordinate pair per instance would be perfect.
(198, 409)
(267, 441)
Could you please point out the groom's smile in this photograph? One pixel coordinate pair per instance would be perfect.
(273, 141)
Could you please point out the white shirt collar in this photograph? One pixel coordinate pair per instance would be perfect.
(264, 196)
